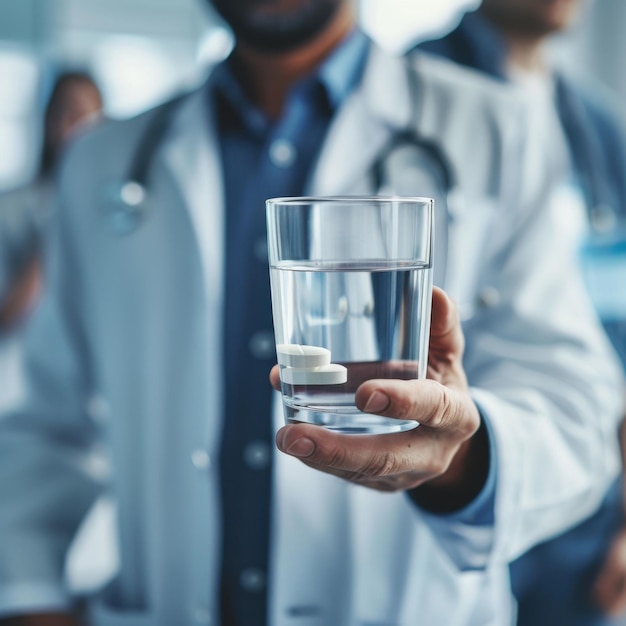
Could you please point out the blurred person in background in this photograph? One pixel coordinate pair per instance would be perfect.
(74, 100)
(580, 577)
(154, 337)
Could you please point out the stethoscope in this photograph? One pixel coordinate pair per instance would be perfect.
(126, 203)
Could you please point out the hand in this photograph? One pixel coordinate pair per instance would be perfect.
(41, 619)
(609, 590)
(442, 451)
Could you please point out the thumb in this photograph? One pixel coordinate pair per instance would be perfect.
(446, 337)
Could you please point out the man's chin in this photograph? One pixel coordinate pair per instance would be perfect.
(275, 32)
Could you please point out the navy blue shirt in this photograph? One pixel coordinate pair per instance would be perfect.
(261, 159)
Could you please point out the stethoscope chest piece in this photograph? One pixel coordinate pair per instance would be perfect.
(124, 207)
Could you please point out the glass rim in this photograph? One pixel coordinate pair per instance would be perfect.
(298, 200)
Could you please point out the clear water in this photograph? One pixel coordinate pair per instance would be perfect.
(373, 317)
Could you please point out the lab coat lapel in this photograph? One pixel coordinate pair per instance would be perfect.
(191, 152)
(381, 109)
(378, 109)
(191, 155)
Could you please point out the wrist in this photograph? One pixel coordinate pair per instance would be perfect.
(461, 483)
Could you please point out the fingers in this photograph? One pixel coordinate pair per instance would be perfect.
(391, 462)
(446, 335)
(426, 401)
(355, 457)
(275, 378)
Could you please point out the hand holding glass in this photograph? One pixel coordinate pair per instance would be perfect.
(351, 281)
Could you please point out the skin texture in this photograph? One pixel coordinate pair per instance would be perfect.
(267, 75)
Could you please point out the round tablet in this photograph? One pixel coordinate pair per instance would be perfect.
(333, 374)
(295, 355)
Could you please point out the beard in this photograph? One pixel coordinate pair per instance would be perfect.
(276, 26)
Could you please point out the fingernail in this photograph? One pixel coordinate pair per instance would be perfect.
(301, 447)
(378, 402)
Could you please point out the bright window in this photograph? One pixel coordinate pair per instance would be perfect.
(397, 24)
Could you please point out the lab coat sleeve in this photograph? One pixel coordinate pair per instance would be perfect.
(47, 440)
(541, 372)
(467, 534)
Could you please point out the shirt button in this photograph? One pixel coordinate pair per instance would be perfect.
(252, 580)
(262, 346)
(201, 460)
(282, 153)
(257, 455)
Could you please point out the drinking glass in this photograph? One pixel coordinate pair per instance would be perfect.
(351, 283)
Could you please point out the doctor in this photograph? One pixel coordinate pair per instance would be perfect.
(153, 343)
(508, 39)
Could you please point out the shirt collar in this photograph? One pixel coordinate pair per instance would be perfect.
(339, 74)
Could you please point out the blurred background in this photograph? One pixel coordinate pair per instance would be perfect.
(141, 51)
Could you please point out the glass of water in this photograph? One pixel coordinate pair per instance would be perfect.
(351, 281)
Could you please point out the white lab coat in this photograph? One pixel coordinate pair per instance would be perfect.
(124, 353)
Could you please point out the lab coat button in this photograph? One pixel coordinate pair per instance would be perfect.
(257, 455)
(201, 460)
(252, 580)
(262, 345)
(282, 153)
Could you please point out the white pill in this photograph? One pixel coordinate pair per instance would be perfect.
(295, 355)
(333, 374)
